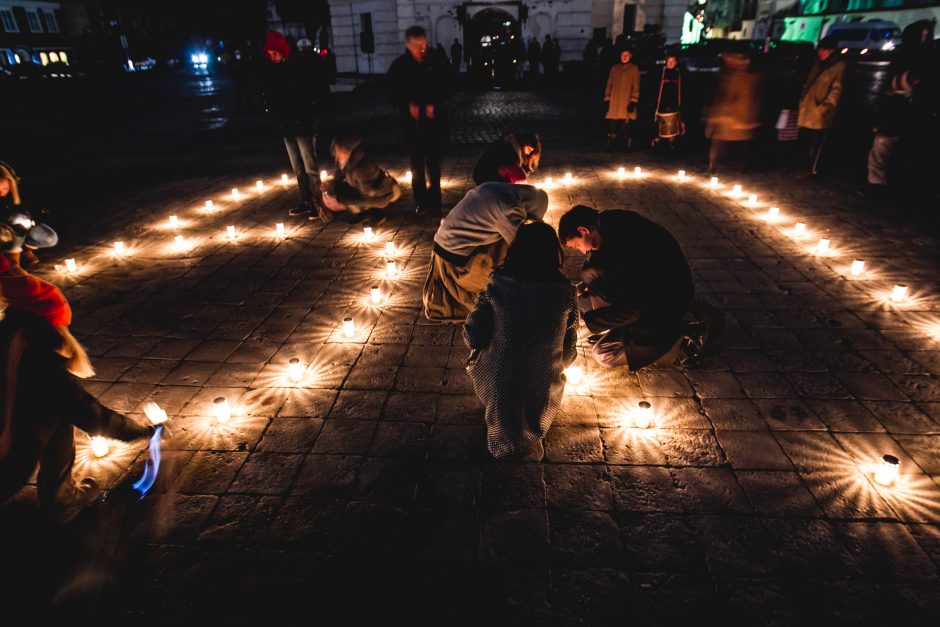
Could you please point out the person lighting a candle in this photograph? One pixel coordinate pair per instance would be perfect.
(41, 398)
(511, 158)
(359, 186)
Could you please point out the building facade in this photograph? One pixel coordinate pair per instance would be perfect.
(358, 26)
(33, 32)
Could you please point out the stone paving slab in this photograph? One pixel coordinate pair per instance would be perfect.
(752, 497)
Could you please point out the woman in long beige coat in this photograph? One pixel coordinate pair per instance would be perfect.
(819, 101)
(622, 95)
(735, 112)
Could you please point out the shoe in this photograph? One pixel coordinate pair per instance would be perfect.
(73, 498)
(300, 210)
(692, 345)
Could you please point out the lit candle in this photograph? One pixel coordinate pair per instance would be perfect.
(370, 236)
(773, 213)
(549, 181)
(752, 199)
(391, 269)
(621, 172)
(155, 413)
(279, 229)
(99, 446)
(230, 231)
(637, 171)
(823, 245)
(736, 190)
(713, 182)
(568, 177)
(681, 175)
(858, 266)
(899, 293)
(323, 175)
(174, 221)
(235, 193)
(349, 327)
(643, 417)
(70, 265)
(283, 179)
(574, 374)
(221, 410)
(295, 370)
(260, 185)
(209, 205)
(887, 471)
(180, 241)
(800, 229)
(389, 248)
(119, 248)
(376, 294)
(408, 176)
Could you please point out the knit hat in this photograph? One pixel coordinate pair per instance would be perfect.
(277, 42)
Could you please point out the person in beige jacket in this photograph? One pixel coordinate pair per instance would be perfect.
(622, 95)
(819, 101)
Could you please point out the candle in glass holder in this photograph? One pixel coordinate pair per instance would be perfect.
(259, 184)
(155, 413)
(235, 193)
(99, 446)
(752, 199)
(621, 172)
(637, 171)
(408, 176)
(773, 213)
(389, 248)
(279, 229)
(323, 175)
(887, 471)
(230, 231)
(284, 179)
(643, 416)
(180, 241)
(736, 190)
(568, 178)
(119, 248)
(549, 181)
(376, 295)
(822, 246)
(174, 221)
(713, 182)
(349, 327)
(370, 236)
(899, 293)
(574, 374)
(209, 205)
(391, 269)
(681, 175)
(221, 410)
(70, 265)
(799, 229)
(858, 266)
(295, 370)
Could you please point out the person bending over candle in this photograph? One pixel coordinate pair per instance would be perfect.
(522, 333)
(639, 287)
(40, 397)
(471, 241)
(359, 186)
(511, 158)
(29, 235)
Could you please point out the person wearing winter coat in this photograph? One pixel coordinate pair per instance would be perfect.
(359, 186)
(290, 95)
(891, 124)
(511, 158)
(819, 102)
(30, 235)
(734, 114)
(622, 95)
(669, 103)
(471, 242)
(421, 87)
(41, 399)
(638, 282)
(523, 333)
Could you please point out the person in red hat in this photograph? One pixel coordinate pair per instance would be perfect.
(40, 396)
(290, 94)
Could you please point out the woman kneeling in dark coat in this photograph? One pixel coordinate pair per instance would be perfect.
(523, 332)
(509, 159)
(359, 185)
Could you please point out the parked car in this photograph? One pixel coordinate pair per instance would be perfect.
(870, 35)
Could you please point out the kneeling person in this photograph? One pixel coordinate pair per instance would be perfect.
(359, 186)
(472, 241)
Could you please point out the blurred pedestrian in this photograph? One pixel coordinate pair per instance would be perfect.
(734, 114)
(359, 186)
(669, 102)
(622, 95)
(523, 333)
(511, 158)
(456, 54)
(819, 103)
(471, 242)
(893, 115)
(421, 87)
(290, 95)
(534, 56)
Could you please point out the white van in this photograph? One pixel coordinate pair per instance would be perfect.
(871, 35)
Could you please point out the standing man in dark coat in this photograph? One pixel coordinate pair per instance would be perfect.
(456, 54)
(421, 87)
(534, 54)
(290, 94)
(638, 281)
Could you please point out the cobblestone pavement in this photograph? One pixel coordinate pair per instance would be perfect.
(366, 489)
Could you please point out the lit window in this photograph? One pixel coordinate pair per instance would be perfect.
(52, 25)
(64, 58)
(54, 57)
(44, 58)
(9, 22)
(35, 26)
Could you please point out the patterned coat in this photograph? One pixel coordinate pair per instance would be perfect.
(526, 333)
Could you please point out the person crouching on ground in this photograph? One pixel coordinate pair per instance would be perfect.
(28, 234)
(471, 242)
(638, 283)
(359, 186)
(511, 158)
(40, 397)
(523, 333)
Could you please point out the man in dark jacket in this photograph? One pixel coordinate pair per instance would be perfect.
(290, 94)
(421, 86)
(511, 158)
(638, 281)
